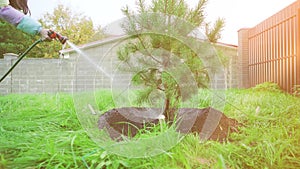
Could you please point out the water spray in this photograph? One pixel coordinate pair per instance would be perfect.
(87, 58)
(52, 35)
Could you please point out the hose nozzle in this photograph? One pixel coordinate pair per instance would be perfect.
(54, 35)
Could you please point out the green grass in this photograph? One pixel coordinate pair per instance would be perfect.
(42, 131)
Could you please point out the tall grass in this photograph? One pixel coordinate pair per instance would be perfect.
(42, 131)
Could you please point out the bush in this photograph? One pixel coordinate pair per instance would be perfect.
(268, 86)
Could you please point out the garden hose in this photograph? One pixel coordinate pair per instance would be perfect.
(20, 58)
(51, 34)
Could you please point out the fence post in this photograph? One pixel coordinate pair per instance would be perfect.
(298, 48)
(11, 58)
(243, 57)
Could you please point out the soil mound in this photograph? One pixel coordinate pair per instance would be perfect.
(209, 123)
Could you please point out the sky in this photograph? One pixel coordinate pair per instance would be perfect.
(237, 13)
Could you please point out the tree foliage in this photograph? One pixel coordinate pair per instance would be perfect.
(213, 33)
(13, 40)
(160, 66)
(78, 28)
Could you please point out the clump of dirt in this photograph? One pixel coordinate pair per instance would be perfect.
(208, 123)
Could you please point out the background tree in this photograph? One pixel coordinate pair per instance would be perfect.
(154, 76)
(78, 28)
(13, 40)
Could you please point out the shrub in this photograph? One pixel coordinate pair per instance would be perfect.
(268, 86)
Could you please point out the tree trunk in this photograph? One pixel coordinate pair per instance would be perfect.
(168, 111)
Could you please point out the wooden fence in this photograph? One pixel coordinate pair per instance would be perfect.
(272, 49)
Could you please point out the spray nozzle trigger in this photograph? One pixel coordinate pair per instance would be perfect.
(54, 35)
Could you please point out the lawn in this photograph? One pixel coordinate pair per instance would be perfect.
(42, 131)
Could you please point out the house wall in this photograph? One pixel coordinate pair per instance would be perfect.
(231, 66)
(98, 67)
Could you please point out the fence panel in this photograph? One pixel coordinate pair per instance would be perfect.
(274, 49)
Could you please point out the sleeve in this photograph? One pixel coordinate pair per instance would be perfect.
(29, 25)
(21, 21)
(11, 15)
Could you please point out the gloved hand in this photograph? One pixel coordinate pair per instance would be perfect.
(44, 33)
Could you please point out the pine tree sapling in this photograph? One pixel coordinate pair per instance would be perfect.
(159, 51)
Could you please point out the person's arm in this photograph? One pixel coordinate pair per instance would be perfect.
(18, 19)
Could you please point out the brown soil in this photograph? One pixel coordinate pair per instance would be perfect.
(208, 123)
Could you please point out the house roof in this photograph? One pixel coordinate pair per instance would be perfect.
(226, 45)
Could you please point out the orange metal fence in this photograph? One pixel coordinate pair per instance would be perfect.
(274, 49)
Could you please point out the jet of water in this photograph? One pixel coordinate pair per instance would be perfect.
(87, 58)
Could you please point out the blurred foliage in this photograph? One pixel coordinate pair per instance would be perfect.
(213, 33)
(13, 40)
(78, 28)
